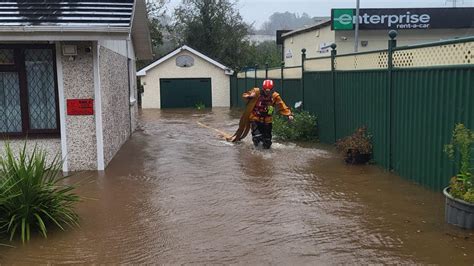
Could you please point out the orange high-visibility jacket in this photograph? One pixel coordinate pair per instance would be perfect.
(277, 102)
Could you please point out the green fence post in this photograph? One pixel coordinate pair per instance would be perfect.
(232, 90)
(333, 85)
(236, 99)
(303, 58)
(392, 43)
(245, 84)
(282, 69)
(266, 70)
(255, 81)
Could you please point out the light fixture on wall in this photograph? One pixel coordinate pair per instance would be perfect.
(70, 51)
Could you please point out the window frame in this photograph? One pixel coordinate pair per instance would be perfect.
(20, 68)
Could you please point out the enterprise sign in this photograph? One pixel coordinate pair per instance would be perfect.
(403, 18)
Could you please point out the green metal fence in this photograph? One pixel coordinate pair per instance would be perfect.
(428, 105)
(410, 98)
(319, 100)
(361, 101)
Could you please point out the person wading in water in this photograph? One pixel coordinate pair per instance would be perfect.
(258, 114)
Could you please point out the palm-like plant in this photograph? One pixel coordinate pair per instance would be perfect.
(32, 197)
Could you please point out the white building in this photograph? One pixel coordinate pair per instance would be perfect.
(67, 79)
(414, 26)
(185, 78)
(259, 38)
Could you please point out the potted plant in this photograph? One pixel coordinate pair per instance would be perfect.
(460, 192)
(356, 148)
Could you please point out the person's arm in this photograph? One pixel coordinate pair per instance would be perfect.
(249, 94)
(282, 107)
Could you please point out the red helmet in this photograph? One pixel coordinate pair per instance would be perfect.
(268, 84)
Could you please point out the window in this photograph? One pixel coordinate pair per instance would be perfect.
(184, 61)
(28, 91)
(6, 57)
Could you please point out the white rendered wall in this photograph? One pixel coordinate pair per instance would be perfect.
(220, 82)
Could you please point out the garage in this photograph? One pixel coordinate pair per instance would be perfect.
(181, 93)
(185, 78)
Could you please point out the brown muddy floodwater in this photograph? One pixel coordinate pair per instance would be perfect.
(176, 193)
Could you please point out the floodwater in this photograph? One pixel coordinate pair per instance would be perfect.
(176, 193)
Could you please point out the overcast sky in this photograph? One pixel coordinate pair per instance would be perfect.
(258, 11)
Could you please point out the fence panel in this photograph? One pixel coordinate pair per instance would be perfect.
(250, 84)
(292, 92)
(319, 100)
(233, 91)
(242, 87)
(428, 103)
(274, 73)
(361, 100)
(318, 64)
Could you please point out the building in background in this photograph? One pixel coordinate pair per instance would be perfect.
(67, 76)
(259, 38)
(185, 78)
(414, 26)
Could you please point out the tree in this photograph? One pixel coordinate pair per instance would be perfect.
(156, 16)
(286, 21)
(213, 27)
(262, 53)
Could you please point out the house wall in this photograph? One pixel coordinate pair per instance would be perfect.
(310, 40)
(121, 47)
(220, 82)
(114, 85)
(377, 40)
(78, 83)
(52, 147)
(125, 48)
(79, 79)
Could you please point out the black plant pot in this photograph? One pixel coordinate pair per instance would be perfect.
(355, 157)
(458, 212)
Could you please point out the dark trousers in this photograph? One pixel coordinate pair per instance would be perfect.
(262, 132)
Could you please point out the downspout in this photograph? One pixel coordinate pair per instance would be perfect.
(98, 108)
(129, 91)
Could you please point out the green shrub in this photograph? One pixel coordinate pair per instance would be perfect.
(31, 196)
(200, 106)
(460, 148)
(360, 141)
(303, 127)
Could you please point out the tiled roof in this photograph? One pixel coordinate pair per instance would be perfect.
(108, 13)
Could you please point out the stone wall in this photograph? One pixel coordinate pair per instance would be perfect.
(115, 101)
(52, 147)
(78, 81)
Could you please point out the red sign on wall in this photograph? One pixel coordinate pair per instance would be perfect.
(80, 107)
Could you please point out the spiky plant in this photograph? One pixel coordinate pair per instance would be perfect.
(33, 198)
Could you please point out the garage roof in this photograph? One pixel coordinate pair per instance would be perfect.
(143, 71)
